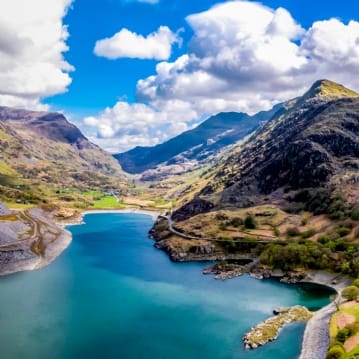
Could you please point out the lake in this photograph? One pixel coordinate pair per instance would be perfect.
(111, 294)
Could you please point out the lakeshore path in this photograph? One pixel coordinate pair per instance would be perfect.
(187, 236)
(316, 335)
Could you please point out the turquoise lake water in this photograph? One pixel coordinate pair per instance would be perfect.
(112, 295)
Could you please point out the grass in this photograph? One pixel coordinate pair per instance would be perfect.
(333, 328)
(107, 202)
(14, 205)
(5, 169)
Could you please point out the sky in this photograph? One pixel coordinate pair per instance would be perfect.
(138, 72)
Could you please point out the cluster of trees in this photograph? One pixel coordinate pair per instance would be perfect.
(336, 255)
(325, 201)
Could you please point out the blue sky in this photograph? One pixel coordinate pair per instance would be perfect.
(134, 73)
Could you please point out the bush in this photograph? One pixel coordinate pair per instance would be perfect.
(323, 239)
(356, 283)
(342, 231)
(342, 335)
(353, 329)
(292, 232)
(236, 221)
(355, 214)
(350, 292)
(250, 222)
(308, 233)
(336, 352)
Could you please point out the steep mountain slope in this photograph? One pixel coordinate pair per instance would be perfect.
(197, 144)
(42, 149)
(311, 144)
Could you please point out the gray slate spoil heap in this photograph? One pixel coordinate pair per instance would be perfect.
(4, 210)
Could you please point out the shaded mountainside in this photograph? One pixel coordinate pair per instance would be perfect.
(43, 148)
(197, 144)
(311, 144)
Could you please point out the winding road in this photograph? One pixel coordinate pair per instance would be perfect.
(187, 236)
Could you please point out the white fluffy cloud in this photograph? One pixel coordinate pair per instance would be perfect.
(157, 45)
(128, 125)
(32, 43)
(243, 57)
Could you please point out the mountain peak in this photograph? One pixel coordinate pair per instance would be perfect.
(328, 89)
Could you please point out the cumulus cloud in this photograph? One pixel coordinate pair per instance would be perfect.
(243, 56)
(157, 45)
(32, 43)
(128, 125)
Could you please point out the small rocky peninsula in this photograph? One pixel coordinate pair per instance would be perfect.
(269, 329)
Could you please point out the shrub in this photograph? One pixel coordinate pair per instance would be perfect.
(276, 231)
(292, 232)
(250, 222)
(336, 352)
(323, 239)
(308, 233)
(342, 335)
(342, 231)
(356, 283)
(350, 292)
(353, 329)
(355, 214)
(236, 221)
(304, 220)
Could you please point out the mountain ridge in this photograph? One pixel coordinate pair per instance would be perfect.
(197, 144)
(312, 143)
(40, 149)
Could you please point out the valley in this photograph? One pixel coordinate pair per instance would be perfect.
(276, 196)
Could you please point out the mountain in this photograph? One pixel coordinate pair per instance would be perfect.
(42, 150)
(312, 143)
(195, 145)
(288, 196)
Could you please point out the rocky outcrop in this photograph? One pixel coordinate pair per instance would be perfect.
(269, 329)
(196, 206)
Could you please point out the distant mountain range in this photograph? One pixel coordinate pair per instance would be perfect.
(195, 145)
(42, 150)
(310, 144)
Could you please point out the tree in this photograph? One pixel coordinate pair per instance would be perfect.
(250, 222)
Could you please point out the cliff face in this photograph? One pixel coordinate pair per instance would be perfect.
(312, 143)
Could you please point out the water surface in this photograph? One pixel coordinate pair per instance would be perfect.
(112, 295)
